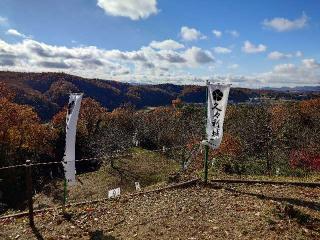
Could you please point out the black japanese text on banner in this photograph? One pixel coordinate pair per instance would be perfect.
(71, 128)
(217, 104)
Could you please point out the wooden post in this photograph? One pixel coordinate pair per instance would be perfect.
(29, 192)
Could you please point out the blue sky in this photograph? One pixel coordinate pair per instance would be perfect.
(249, 43)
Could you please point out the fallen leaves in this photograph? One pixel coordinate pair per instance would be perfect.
(191, 213)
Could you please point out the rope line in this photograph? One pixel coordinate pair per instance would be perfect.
(91, 159)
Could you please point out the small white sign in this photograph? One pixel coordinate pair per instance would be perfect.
(164, 149)
(213, 162)
(113, 193)
(137, 184)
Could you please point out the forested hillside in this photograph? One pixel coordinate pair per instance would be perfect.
(47, 93)
(274, 137)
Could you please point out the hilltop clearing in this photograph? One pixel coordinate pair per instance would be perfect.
(196, 212)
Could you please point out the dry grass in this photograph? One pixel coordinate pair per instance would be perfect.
(146, 167)
(216, 211)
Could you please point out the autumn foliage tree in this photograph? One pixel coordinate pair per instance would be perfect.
(22, 137)
(91, 116)
(258, 138)
(305, 160)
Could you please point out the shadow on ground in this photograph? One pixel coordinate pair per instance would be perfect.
(36, 233)
(98, 235)
(298, 202)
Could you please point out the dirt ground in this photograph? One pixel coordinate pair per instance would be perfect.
(216, 211)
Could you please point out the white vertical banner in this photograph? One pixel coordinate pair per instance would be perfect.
(217, 103)
(71, 129)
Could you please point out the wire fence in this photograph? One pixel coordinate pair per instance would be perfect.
(131, 170)
(93, 158)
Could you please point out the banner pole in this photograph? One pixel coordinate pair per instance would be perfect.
(206, 147)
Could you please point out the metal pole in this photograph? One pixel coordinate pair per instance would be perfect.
(206, 147)
(29, 192)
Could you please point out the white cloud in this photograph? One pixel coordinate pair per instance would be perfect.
(222, 50)
(233, 66)
(133, 9)
(196, 56)
(233, 33)
(14, 32)
(285, 68)
(311, 63)
(191, 34)
(283, 75)
(169, 56)
(299, 54)
(282, 24)
(90, 61)
(308, 73)
(248, 47)
(275, 55)
(217, 33)
(3, 21)
(166, 45)
(145, 65)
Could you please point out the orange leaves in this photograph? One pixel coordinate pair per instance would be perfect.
(123, 117)
(6, 92)
(310, 108)
(91, 114)
(160, 115)
(279, 114)
(91, 108)
(176, 103)
(230, 146)
(20, 129)
(59, 119)
(13, 136)
(41, 138)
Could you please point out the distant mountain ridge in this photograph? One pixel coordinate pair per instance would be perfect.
(296, 89)
(48, 92)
